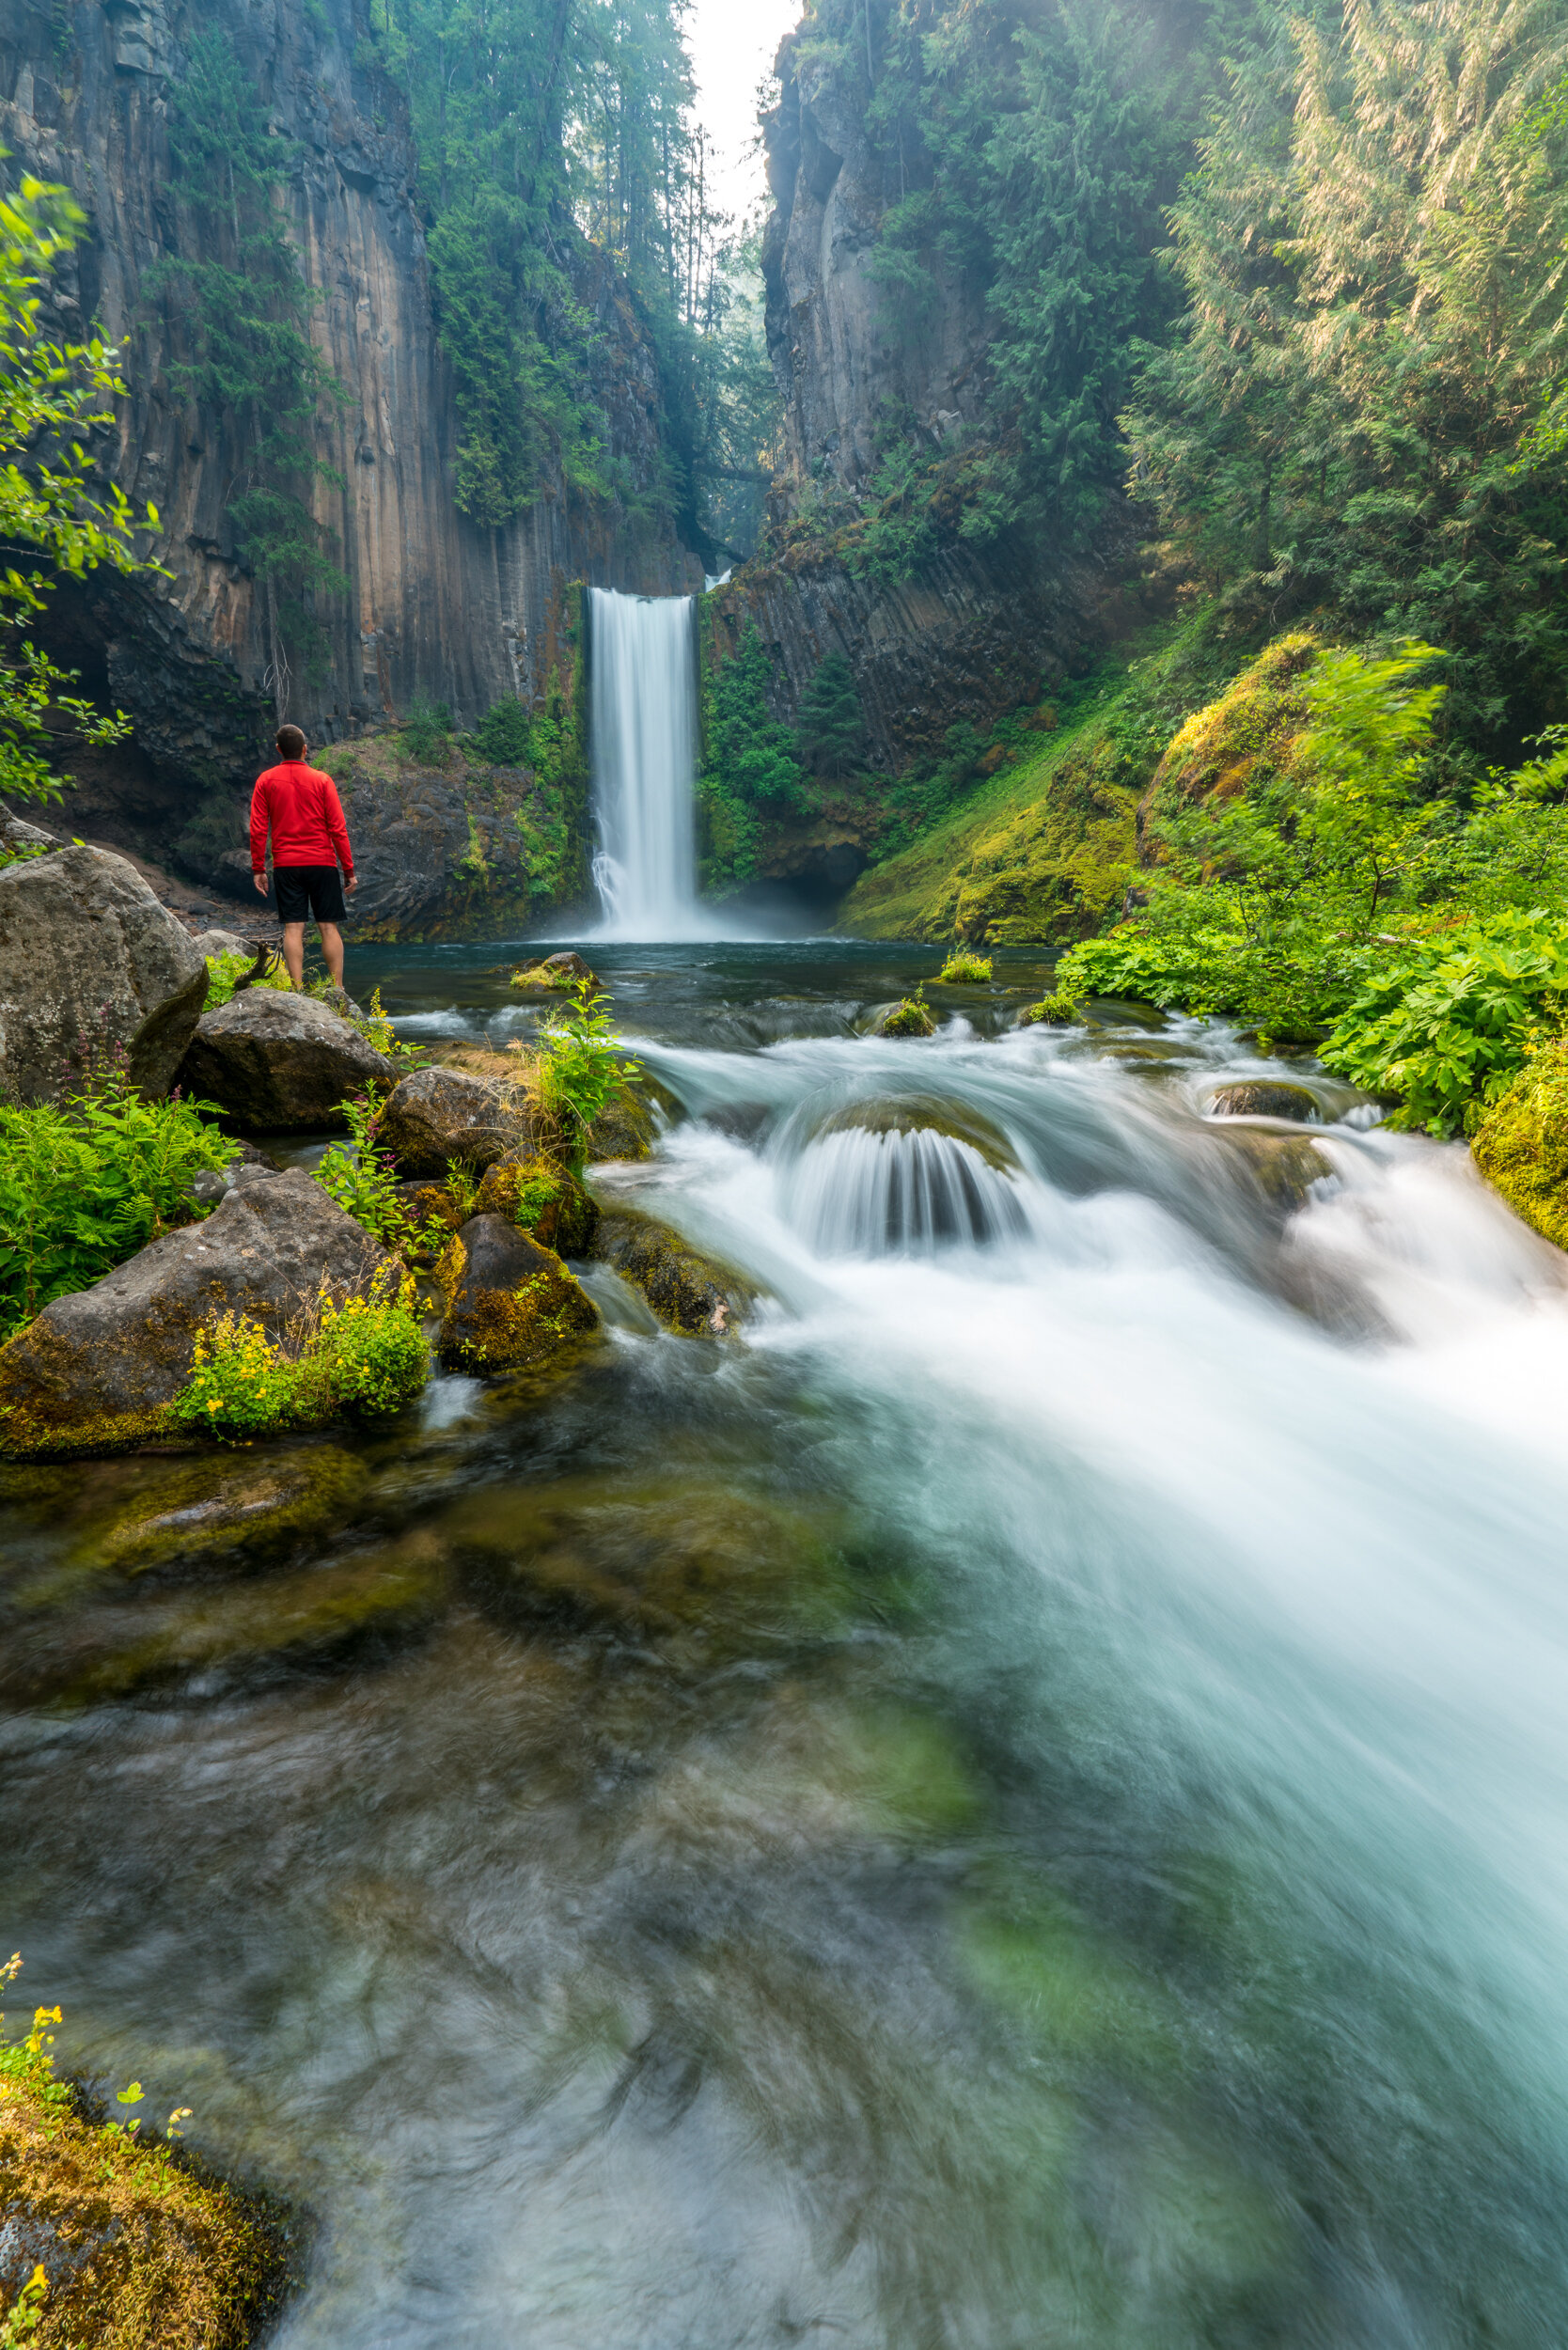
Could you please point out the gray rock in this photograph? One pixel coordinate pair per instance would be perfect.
(213, 943)
(94, 1369)
(278, 1062)
(441, 1117)
(688, 1292)
(92, 967)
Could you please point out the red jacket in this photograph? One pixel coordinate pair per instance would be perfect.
(302, 807)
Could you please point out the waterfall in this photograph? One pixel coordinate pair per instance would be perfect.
(891, 1194)
(643, 658)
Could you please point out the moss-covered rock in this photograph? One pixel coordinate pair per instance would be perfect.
(912, 1017)
(511, 1304)
(1521, 1144)
(542, 1198)
(1283, 1168)
(1248, 731)
(1052, 1012)
(138, 2252)
(1264, 1098)
(440, 1117)
(559, 974)
(694, 1294)
(628, 1126)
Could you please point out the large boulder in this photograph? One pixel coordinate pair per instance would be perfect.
(92, 967)
(512, 1304)
(690, 1293)
(95, 1368)
(1265, 1097)
(278, 1062)
(542, 1198)
(440, 1117)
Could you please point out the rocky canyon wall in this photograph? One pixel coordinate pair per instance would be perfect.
(437, 609)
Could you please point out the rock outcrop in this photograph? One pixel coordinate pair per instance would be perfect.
(441, 1117)
(93, 972)
(280, 1063)
(95, 1368)
(512, 1304)
(1262, 1097)
(542, 1198)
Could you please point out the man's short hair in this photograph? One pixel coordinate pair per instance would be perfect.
(291, 742)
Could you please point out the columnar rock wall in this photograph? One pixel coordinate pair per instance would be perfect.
(437, 609)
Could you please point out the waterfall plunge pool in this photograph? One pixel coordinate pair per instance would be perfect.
(1022, 1804)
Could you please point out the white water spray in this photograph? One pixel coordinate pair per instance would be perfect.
(644, 743)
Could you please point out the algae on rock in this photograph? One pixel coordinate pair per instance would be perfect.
(512, 1304)
(690, 1293)
(1521, 1143)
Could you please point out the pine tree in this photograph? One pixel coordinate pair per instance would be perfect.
(829, 727)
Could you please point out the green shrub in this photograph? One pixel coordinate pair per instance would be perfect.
(1054, 1012)
(963, 966)
(362, 1178)
(85, 1184)
(363, 1361)
(426, 734)
(223, 971)
(912, 1017)
(580, 1063)
(505, 734)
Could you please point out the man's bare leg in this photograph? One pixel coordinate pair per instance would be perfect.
(332, 949)
(293, 951)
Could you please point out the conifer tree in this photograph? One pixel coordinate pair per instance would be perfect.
(830, 728)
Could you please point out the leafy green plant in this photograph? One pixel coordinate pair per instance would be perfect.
(363, 1359)
(505, 734)
(1052, 1012)
(912, 1017)
(580, 1063)
(223, 970)
(85, 1184)
(361, 1177)
(964, 967)
(1446, 1029)
(426, 734)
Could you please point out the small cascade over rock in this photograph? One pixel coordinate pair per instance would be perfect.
(896, 1179)
(643, 743)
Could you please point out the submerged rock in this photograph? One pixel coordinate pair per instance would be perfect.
(918, 1114)
(219, 1512)
(542, 1198)
(700, 1563)
(690, 1293)
(280, 1062)
(92, 967)
(1260, 1097)
(95, 1369)
(511, 1304)
(1284, 1166)
(441, 1117)
(628, 1126)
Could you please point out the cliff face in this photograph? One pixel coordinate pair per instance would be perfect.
(976, 632)
(437, 609)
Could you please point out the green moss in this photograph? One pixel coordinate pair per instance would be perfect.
(1521, 1143)
(964, 969)
(160, 2258)
(541, 1322)
(215, 1512)
(912, 1017)
(1055, 1012)
(540, 1198)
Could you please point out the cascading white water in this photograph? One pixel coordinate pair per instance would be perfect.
(872, 1195)
(643, 709)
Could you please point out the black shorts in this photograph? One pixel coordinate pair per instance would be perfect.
(315, 890)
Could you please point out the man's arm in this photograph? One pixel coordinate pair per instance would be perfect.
(258, 837)
(332, 808)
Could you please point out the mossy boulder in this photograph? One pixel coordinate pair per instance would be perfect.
(1264, 1098)
(93, 1372)
(695, 1562)
(542, 1198)
(912, 1017)
(511, 1304)
(690, 1293)
(1052, 1012)
(441, 1117)
(628, 1126)
(428, 1202)
(1249, 732)
(1521, 1144)
(559, 974)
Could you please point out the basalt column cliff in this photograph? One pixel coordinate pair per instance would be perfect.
(435, 608)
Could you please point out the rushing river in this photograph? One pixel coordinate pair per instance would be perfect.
(1022, 1803)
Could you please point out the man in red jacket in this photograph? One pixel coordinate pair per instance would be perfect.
(300, 807)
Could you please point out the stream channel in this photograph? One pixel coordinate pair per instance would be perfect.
(1022, 1803)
